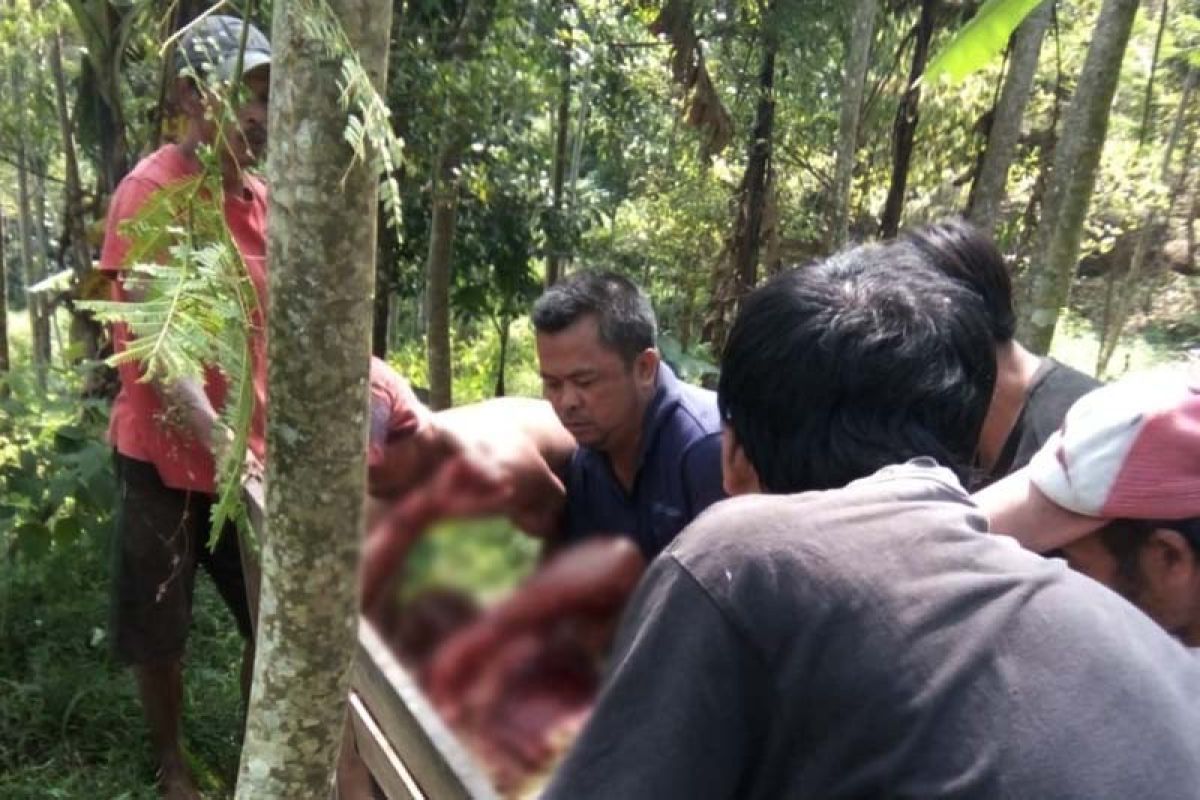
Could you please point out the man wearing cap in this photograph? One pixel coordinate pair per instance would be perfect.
(164, 437)
(1117, 493)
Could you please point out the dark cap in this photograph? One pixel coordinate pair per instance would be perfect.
(212, 44)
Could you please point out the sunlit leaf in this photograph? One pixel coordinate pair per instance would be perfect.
(980, 40)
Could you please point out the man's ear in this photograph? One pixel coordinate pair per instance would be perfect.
(645, 366)
(1168, 558)
(738, 475)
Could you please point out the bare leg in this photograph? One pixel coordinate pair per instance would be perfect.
(160, 685)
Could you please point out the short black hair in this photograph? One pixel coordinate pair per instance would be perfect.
(869, 358)
(623, 312)
(963, 253)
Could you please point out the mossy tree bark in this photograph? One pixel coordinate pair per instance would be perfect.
(988, 192)
(321, 247)
(1076, 163)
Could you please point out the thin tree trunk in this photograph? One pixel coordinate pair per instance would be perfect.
(38, 174)
(321, 249)
(563, 126)
(1149, 222)
(904, 129)
(441, 248)
(382, 309)
(988, 192)
(1148, 99)
(1076, 162)
(504, 327)
(854, 81)
(752, 199)
(4, 362)
(39, 338)
(84, 331)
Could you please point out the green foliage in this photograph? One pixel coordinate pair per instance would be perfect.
(55, 481)
(980, 40)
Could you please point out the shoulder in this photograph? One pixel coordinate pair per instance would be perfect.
(695, 416)
(1053, 393)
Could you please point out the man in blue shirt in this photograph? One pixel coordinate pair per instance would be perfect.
(649, 457)
(648, 462)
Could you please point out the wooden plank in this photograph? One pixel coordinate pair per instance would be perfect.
(435, 759)
(378, 754)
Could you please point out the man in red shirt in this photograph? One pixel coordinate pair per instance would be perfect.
(165, 436)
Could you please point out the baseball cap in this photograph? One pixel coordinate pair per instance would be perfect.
(212, 45)
(1127, 450)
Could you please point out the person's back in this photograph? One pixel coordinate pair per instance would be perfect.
(887, 646)
(850, 628)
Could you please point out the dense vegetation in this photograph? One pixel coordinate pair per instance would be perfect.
(697, 146)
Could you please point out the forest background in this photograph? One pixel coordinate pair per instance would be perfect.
(698, 146)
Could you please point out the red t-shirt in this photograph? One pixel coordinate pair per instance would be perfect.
(138, 428)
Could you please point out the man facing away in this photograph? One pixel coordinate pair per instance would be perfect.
(165, 436)
(1032, 393)
(847, 628)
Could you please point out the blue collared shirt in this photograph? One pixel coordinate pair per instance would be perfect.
(678, 473)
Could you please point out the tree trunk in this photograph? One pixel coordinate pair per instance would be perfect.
(39, 332)
(85, 333)
(504, 327)
(1076, 161)
(555, 241)
(4, 362)
(1124, 298)
(854, 81)
(321, 248)
(988, 192)
(904, 129)
(45, 309)
(747, 233)
(441, 248)
(385, 259)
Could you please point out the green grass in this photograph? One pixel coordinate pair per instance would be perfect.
(70, 723)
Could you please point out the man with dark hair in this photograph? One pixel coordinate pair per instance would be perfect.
(165, 437)
(649, 445)
(1032, 393)
(647, 462)
(870, 640)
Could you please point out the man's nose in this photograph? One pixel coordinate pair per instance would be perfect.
(572, 398)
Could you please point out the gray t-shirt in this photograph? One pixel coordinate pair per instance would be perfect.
(874, 641)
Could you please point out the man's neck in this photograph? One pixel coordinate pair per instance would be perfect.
(1015, 370)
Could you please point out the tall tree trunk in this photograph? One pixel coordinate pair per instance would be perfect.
(904, 129)
(1149, 222)
(45, 312)
(85, 333)
(556, 238)
(4, 362)
(503, 329)
(854, 82)
(1076, 162)
(988, 192)
(437, 282)
(321, 249)
(752, 196)
(39, 332)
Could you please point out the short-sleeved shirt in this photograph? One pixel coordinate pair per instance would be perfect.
(876, 641)
(1054, 389)
(138, 427)
(678, 473)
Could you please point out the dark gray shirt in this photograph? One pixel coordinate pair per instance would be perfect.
(874, 641)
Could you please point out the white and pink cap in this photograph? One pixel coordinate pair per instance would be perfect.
(1127, 450)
